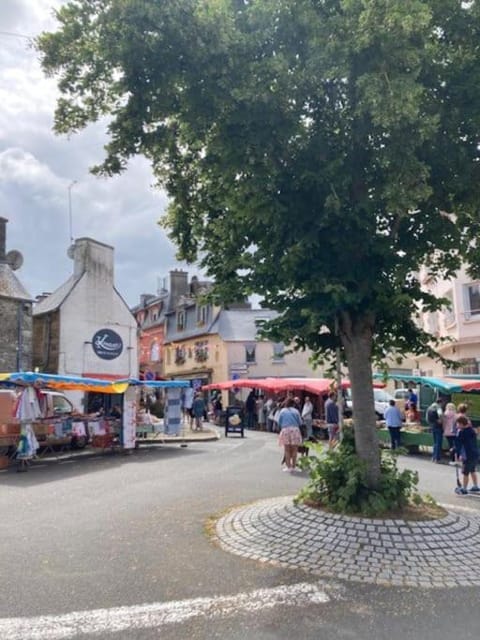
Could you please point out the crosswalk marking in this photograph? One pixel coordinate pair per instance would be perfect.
(102, 621)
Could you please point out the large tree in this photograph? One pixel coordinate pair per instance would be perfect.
(316, 152)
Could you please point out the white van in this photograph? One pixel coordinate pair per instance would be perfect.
(57, 406)
(381, 399)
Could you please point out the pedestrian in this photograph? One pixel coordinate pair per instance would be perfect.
(332, 419)
(290, 438)
(188, 397)
(412, 402)
(307, 417)
(198, 411)
(218, 409)
(434, 421)
(270, 412)
(468, 450)
(449, 420)
(260, 408)
(393, 420)
(250, 406)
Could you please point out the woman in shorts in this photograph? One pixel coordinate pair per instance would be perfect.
(289, 421)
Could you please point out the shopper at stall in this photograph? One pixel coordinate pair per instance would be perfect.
(307, 417)
(250, 409)
(289, 421)
(434, 421)
(449, 420)
(393, 421)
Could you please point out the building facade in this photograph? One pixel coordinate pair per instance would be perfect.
(458, 322)
(208, 344)
(15, 311)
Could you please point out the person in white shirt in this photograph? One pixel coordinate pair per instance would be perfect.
(307, 416)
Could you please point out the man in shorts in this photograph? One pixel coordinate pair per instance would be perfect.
(467, 447)
(331, 418)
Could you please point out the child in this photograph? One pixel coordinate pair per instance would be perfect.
(467, 447)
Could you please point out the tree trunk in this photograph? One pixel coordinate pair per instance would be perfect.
(357, 340)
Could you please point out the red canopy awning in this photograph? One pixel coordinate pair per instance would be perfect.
(318, 386)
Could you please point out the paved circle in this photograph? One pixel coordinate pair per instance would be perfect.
(389, 552)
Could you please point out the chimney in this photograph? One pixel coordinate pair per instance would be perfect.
(3, 239)
(178, 286)
(93, 258)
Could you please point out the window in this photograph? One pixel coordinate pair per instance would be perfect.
(250, 353)
(469, 366)
(449, 311)
(154, 352)
(201, 351)
(180, 320)
(278, 352)
(202, 314)
(432, 323)
(472, 300)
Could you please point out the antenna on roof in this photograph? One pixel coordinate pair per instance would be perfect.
(72, 184)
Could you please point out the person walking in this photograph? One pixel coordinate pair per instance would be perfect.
(434, 421)
(393, 420)
(307, 417)
(332, 419)
(198, 411)
(290, 437)
(449, 424)
(468, 449)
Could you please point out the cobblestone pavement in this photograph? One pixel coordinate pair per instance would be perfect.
(386, 552)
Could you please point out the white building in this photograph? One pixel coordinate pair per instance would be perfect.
(85, 327)
(459, 322)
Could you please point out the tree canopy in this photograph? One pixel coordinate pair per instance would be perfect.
(316, 152)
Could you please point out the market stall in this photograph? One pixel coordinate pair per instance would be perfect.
(26, 428)
(458, 389)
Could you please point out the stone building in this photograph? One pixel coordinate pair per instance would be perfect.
(15, 311)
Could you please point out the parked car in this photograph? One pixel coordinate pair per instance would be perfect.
(381, 399)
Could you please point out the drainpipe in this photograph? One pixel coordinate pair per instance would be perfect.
(19, 336)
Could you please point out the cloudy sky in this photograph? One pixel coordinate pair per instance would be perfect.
(38, 168)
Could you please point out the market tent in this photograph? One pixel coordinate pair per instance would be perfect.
(65, 383)
(451, 384)
(157, 384)
(319, 386)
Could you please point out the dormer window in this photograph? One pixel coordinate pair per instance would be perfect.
(180, 320)
(202, 314)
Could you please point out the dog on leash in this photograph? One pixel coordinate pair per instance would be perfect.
(302, 451)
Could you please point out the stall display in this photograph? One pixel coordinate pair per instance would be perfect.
(25, 431)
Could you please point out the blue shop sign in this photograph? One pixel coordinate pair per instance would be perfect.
(107, 344)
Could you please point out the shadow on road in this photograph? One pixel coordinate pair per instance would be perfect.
(52, 469)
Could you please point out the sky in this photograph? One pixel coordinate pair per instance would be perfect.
(46, 191)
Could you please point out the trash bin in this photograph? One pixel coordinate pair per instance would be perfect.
(234, 421)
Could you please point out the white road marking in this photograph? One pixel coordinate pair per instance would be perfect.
(147, 616)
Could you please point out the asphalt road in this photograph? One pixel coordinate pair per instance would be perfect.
(88, 542)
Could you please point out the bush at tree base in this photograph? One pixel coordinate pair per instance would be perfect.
(337, 481)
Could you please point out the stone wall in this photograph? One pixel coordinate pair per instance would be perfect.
(46, 338)
(16, 335)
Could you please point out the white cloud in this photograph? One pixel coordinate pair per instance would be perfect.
(37, 168)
